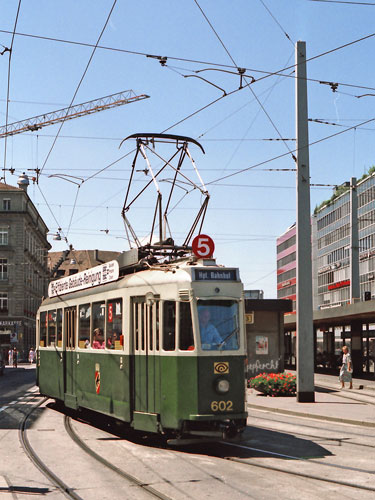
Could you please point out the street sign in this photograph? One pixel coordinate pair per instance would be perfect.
(249, 318)
(203, 246)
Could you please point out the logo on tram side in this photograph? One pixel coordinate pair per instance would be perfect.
(97, 378)
(221, 367)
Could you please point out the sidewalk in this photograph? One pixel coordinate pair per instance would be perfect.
(356, 406)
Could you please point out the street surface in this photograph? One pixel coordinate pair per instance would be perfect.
(288, 455)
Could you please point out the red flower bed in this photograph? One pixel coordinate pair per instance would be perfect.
(274, 384)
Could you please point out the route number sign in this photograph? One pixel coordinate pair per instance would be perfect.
(203, 246)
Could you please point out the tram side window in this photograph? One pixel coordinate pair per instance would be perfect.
(135, 325)
(52, 328)
(43, 329)
(169, 325)
(115, 338)
(59, 327)
(142, 306)
(186, 341)
(150, 319)
(97, 325)
(84, 326)
(157, 324)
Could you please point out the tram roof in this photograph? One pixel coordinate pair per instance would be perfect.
(180, 271)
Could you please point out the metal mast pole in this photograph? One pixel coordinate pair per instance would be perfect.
(354, 243)
(304, 319)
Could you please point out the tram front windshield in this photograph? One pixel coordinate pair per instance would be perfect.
(219, 324)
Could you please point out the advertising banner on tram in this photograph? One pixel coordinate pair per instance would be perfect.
(98, 275)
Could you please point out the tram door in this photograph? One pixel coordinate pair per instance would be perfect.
(70, 342)
(146, 368)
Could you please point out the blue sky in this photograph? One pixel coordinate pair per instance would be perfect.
(247, 211)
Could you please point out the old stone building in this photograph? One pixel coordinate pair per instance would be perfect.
(23, 266)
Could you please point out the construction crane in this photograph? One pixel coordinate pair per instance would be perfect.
(86, 108)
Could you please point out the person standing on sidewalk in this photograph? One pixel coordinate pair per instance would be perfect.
(10, 357)
(15, 356)
(31, 356)
(346, 368)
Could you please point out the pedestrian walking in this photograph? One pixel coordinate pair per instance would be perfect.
(15, 356)
(346, 369)
(10, 357)
(31, 356)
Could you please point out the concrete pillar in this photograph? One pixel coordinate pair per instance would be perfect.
(304, 315)
(356, 347)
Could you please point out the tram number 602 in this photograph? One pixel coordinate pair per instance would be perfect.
(221, 405)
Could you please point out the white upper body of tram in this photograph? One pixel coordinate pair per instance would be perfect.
(190, 306)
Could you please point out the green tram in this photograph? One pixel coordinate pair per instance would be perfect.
(162, 348)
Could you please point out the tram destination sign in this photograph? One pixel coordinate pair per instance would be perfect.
(98, 275)
(216, 274)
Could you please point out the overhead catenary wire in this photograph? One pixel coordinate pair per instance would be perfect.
(208, 63)
(72, 101)
(286, 154)
(345, 1)
(248, 85)
(116, 160)
(8, 83)
(80, 82)
(277, 22)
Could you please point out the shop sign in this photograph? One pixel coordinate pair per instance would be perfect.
(363, 256)
(367, 254)
(324, 269)
(11, 323)
(98, 275)
(339, 284)
(249, 318)
(329, 306)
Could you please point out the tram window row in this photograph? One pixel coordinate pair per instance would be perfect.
(156, 325)
(100, 326)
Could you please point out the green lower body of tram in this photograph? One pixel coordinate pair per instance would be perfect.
(182, 396)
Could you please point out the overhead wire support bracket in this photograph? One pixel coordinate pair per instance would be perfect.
(240, 71)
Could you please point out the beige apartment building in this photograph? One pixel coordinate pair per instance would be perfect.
(23, 266)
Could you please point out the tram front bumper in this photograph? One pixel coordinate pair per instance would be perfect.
(211, 417)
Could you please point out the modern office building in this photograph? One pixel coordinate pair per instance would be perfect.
(286, 265)
(23, 266)
(343, 252)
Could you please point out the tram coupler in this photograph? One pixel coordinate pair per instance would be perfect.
(230, 430)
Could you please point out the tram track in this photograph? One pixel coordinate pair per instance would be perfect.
(129, 477)
(36, 460)
(306, 475)
(304, 417)
(339, 441)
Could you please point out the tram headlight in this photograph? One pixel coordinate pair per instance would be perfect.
(222, 386)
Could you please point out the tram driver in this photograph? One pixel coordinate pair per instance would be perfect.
(210, 337)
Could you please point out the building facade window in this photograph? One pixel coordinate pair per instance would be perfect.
(286, 244)
(6, 204)
(3, 235)
(3, 301)
(287, 275)
(3, 269)
(286, 260)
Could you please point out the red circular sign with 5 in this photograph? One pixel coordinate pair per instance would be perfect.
(203, 246)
